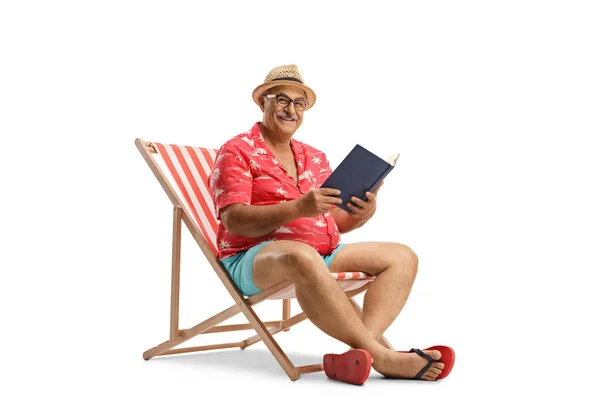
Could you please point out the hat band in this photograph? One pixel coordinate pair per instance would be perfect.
(288, 79)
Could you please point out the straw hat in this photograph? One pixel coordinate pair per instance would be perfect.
(287, 75)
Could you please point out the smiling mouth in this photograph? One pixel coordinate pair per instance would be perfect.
(287, 119)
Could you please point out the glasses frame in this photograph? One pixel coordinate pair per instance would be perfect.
(294, 102)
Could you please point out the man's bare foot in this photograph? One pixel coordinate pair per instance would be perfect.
(406, 365)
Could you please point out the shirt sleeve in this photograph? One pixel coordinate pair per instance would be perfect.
(230, 180)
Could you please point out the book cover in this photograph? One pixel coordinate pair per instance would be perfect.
(359, 172)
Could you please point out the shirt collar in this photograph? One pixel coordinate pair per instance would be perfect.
(259, 142)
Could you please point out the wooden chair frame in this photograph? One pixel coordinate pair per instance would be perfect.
(264, 330)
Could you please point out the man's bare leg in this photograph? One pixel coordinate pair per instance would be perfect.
(395, 266)
(327, 306)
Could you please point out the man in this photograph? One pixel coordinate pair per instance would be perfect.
(277, 223)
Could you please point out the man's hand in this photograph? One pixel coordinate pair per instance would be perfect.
(317, 202)
(364, 209)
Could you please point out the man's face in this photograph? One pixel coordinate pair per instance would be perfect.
(279, 119)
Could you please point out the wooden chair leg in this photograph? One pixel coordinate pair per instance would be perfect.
(286, 311)
(175, 272)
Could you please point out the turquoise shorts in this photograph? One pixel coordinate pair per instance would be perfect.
(239, 267)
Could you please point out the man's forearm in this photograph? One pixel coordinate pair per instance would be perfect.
(257, 221)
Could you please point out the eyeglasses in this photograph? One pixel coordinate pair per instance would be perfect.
(282, 100)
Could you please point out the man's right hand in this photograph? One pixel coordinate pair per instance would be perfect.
(317, 202)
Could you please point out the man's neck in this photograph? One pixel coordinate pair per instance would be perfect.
(276, 143)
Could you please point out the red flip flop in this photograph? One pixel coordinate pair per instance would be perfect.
(352, 366)
(447, 358)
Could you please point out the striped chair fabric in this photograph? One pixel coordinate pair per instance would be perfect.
(189, 168)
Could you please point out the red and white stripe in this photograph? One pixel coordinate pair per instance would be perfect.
(340, 276)
(189, 167)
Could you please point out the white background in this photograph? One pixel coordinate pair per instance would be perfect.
(493, 107)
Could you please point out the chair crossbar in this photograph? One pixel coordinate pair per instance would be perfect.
(280, 328)
(239, 327)
(202, 348)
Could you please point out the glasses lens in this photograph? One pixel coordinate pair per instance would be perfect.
(283, 101)
(300, 105)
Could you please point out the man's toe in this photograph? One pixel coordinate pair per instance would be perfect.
(430, 376)
(435, 370)
(435, 354)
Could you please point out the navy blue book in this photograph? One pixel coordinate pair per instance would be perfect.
(359, 172)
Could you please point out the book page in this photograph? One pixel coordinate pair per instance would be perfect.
(392, 160)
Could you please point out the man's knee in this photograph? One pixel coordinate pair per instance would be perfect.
(285, 260)
(407, 259)
(302, 262)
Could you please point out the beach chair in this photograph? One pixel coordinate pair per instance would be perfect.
(182, 171)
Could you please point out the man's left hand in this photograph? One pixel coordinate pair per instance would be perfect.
(364, 209)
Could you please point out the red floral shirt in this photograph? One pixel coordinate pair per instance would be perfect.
(247, 172)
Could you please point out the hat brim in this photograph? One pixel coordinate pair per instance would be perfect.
(260, 89)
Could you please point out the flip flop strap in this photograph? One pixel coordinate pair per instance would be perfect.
(430, 362)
